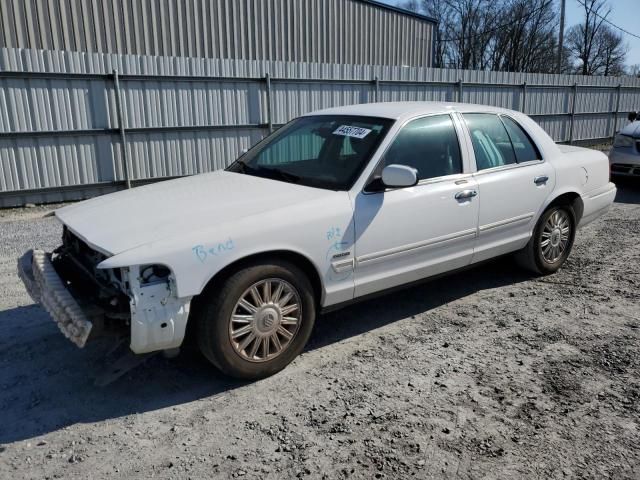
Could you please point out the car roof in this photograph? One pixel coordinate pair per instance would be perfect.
(401, 110)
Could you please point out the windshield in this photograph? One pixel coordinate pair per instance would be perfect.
(324, 151)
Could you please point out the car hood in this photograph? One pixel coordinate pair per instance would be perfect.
(632, 130)
(127, 219)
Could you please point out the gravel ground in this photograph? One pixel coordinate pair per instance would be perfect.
(491, 373)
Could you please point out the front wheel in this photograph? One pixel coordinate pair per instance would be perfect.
(257, 321)
(551, 242)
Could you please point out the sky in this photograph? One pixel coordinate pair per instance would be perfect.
(624, 13)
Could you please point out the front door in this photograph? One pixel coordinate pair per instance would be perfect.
(406, 234)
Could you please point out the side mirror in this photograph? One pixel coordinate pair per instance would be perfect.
(632, 116)
(396, 176)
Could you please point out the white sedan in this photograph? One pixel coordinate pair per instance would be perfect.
(334, 206)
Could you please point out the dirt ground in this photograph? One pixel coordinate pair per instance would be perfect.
(489, 373)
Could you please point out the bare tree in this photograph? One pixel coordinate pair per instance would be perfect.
(596, 48)
(521, 36)
(527, 42)
(515, 35)
(472, 33)
(613, 52)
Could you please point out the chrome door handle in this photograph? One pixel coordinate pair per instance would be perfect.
(542, 179)
(466, 194)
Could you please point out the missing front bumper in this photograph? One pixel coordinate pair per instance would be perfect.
(45, 287)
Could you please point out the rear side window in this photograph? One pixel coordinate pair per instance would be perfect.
(428, 144)
(523, 147)
(491, 142)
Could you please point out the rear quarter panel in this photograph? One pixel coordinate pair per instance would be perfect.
(586, 172)
(583, 167)
(578, 170)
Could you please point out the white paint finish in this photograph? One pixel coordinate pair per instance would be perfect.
(570, 166)
(399, 176)
(509, 202)
(509, 197)
(396, 110)
(124, 220)
(597, 203)
(406, 234)
(198, 225)
(358, 243)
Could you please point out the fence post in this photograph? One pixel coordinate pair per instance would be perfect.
(617, 110)
(267, 79)
(573, 112)
(376, 88)
(523, 107)
(460, 91)
(121, 128)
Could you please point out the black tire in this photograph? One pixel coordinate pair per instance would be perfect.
(218, 303)
(532, 258)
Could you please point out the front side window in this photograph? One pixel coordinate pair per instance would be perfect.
(428, 144)
(324, 151)
(491, 142)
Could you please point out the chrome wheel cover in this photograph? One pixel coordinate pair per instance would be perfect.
(265, 320)
(555, 236)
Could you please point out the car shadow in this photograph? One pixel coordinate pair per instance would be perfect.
(46, 383)
(415, 300)
(628, 190)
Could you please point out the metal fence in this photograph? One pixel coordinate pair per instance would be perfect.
(74, 125)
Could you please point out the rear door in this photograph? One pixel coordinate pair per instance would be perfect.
(513, 182)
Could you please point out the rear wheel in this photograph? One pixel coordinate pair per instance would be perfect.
(551, 242)
(257, 321)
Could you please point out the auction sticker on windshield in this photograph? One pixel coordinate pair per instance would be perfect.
(355, 132)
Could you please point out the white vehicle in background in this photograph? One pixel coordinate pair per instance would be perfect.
(624, 156)
(334, 206)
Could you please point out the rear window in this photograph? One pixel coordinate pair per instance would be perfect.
(491, 142)
(523, 147)
(498, 140)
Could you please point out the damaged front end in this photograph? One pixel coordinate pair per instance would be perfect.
(87, 302)
(46, 287)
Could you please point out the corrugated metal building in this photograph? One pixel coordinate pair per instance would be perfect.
(321, 31)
